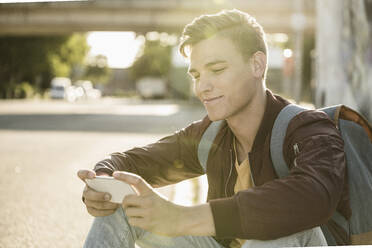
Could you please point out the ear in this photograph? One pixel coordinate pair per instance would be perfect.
(258, 62)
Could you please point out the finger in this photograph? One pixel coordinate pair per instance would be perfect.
(84, 174)
(136, 212)
(99, 213)
(139, 184)
(91, 194)
(100, 205)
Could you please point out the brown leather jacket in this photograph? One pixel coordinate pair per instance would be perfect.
(274, 208)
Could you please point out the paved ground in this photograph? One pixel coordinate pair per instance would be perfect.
(44, 143)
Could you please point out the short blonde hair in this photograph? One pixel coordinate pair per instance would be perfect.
(243, 29)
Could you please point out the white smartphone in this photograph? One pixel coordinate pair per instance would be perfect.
(117, 189)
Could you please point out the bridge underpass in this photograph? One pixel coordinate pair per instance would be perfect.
(140, 15)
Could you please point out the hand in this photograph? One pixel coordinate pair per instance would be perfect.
(97, 203)
(149, 210)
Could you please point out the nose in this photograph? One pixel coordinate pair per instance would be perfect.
(203, 85)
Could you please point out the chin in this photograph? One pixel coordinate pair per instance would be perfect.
(215, 117)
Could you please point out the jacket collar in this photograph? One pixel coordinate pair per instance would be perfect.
(274, 105)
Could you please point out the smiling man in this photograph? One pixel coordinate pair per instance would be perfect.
(248, 205)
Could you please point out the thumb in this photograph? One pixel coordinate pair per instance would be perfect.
(84, 174)
(141, 186)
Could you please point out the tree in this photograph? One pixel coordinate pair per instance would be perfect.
(97, 70)
(154, 59)
(36, 59)
(70, 54)
(22, 59)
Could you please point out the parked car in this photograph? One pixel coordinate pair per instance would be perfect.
(60, 87)
(88, 91)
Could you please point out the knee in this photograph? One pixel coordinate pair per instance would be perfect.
(315, 237)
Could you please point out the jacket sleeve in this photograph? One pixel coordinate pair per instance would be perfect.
(169, 160)
(306, 198)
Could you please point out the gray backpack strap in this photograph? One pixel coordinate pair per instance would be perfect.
(207, 141)
(278, 135)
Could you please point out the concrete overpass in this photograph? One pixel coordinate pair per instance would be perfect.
(139, 15)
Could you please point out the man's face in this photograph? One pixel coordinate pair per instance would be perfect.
(223, 81)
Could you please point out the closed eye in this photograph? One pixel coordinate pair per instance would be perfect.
(218, 70)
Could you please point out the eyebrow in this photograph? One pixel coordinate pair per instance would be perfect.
(212, 63)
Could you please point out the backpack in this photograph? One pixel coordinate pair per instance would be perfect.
(357, 135)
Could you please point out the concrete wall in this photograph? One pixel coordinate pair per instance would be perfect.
(344, 55)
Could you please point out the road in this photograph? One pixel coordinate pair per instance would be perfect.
(43, 144)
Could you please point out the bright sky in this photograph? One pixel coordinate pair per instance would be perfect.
(120, 48)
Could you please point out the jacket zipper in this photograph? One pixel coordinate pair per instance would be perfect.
(296, 152)
(296, 149)
(228, 178)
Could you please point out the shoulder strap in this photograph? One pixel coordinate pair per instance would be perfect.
(333, 112)
(206, 142)
(278, 135)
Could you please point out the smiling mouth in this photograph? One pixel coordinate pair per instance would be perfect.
(211, 100)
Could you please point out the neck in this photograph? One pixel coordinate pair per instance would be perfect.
(246, 122)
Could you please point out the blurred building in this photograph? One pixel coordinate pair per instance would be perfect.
(120, 83)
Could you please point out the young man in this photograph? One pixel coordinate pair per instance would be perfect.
(247, 204)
